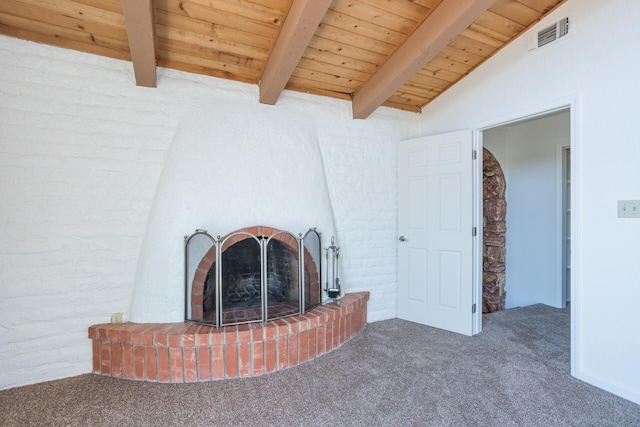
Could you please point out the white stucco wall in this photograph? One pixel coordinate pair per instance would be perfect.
(593, 69)
(221, 175)
(82, 150)
(528, 155)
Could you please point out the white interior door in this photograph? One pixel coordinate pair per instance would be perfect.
(435, 226)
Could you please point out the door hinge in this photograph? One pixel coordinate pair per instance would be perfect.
(473, 308)
(474, 154)
(474, 231)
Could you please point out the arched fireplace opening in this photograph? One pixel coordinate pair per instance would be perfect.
(255, 274)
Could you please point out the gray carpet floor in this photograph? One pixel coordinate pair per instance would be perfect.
(396, 373)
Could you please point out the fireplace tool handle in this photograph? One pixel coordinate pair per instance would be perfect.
(333, 291)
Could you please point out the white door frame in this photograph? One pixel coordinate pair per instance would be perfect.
(574, 104)
(561, 262)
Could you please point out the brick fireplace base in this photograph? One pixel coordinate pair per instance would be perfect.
(190, 352)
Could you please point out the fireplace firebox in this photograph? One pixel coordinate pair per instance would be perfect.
(255, 274)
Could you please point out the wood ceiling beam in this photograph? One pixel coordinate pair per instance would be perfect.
(449, 19)
(301, 23)
(140, 24)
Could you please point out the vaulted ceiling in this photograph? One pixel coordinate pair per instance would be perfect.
(397, 53)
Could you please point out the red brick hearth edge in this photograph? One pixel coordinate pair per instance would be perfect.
(190, 352)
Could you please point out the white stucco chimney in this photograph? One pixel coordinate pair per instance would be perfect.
(222, 173)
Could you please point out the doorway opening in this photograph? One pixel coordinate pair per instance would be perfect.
(534, 155)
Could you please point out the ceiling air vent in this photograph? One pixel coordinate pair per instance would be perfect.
(550, 34)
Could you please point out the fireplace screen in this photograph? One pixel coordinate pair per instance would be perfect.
(252, 275)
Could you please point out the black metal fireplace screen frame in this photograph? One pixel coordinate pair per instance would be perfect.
(307, 247)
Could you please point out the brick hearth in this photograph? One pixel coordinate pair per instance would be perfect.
(190, 352)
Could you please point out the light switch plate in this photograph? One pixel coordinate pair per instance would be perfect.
(628, 208)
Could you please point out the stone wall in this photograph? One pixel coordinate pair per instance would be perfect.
(494, 222)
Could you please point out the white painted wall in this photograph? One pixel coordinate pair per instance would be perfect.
(527, 153)
(593, 69)
(82, 150)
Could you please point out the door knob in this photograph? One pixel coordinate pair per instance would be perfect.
(402, 239)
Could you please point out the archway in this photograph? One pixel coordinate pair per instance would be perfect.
(494, 231)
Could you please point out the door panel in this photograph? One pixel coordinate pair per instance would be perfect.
(435, 221)
(418, 209)
(449, 190)
(449, 285)
(418, 268)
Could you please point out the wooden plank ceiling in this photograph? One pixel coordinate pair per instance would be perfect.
(397, 53)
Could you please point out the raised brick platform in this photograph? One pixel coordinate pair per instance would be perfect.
(190, 352)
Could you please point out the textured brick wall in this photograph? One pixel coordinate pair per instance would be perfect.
(81, 150)
(362, 178)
